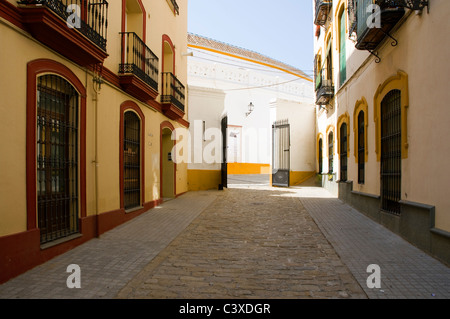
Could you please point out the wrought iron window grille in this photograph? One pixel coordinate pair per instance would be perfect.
(132, 160)
(343, 152)
(57, 158)
(391, 162)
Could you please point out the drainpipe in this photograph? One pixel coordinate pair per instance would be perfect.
(97, 82)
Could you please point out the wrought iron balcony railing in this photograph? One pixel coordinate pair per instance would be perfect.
(323, 8)
(324, 86)
(173, 91)
(139, 60)
(176, 8)
(352, 8)
(374, 20)
(92, 16)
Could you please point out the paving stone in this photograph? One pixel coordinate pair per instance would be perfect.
(249, 241)
(251, 250)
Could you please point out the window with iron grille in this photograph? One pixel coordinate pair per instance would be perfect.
(391, 163)
(320, 156)
(57, 158)
(131, 161)
(343, 151)
(330, 152)
(361, 148)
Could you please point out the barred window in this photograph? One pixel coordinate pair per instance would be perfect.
(343, 151)
(320, 155)
(330, 152)
(361, 148)
(131, 160)
(391, 152)
(57, 158)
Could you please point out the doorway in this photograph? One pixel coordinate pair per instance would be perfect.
(168, 166)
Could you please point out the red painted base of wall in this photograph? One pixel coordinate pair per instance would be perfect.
(22, 251)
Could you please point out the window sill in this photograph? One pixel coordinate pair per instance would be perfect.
(132, 210)
(60, 241)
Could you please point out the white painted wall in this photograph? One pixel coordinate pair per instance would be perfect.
(242, 83)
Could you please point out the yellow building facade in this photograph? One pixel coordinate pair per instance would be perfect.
(91, 94)
(380, 77)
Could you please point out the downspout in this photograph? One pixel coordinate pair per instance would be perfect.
(97, 82)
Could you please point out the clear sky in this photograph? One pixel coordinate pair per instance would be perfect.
(281, 29)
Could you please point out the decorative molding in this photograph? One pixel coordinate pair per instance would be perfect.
(396, 82)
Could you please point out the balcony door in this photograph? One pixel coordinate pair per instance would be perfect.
(134, 18)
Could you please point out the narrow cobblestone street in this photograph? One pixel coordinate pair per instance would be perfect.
(248, 243)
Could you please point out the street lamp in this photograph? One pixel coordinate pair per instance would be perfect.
(251, 107)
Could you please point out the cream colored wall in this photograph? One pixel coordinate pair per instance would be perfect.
(13, 125)
(302, 133)
(161, 20)
(13, 122)
(421, 53)
(12, 130)
(207, 105)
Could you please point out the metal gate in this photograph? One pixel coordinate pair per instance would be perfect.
(391, 159)
(281, 145)
(224, 169)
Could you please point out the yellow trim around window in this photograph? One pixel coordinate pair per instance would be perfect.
(319, 137)
(361, 105)
(330, 129)
(396, 82)
(337, 13)
(344, 118)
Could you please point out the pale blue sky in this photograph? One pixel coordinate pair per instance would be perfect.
(281, 29)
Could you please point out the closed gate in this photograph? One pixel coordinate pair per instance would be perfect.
(281, 153)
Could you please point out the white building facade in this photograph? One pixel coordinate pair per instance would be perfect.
(253, 92)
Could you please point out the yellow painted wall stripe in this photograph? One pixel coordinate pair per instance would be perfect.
(248, 60)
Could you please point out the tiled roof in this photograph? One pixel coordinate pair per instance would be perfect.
(197, 40)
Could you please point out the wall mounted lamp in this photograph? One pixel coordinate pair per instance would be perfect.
(251, 107)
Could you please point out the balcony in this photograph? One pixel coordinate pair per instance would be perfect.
(323, 8)
(173, 96)
(387, 14)
(74, 28)
(174, 6)
(138, 72)
(324, 87)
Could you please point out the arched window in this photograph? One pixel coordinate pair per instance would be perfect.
(131, 160)
(391, 152)
(57, 157)
(361, 147)
(343, 151)
(330, 152)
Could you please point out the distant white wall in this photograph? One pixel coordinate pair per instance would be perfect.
(241, 83)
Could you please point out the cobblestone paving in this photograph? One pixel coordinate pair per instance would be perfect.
(108, 263)
(249, 243)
